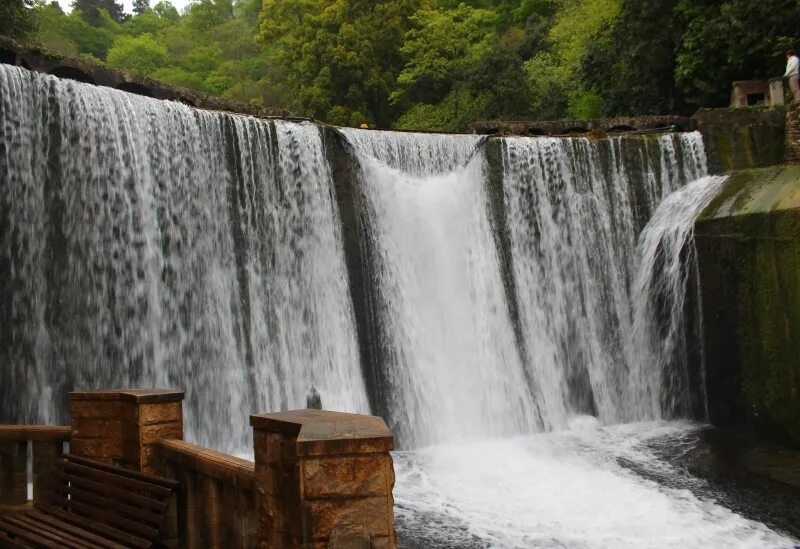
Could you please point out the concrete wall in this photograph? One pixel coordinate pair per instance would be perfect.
(742, 138)
(748, 243)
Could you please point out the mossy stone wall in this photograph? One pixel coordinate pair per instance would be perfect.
(742, 138)
(748, 244)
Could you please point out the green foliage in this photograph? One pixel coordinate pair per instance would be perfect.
(432, 64)
(16, 19)
(141, 6)
(736, 40)
(338, 57)
(91, 10)
(441, 48)
(141, 54)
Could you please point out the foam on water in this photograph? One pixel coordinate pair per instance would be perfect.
(565, 490)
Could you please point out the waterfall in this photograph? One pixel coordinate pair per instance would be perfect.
(574, 210)
(448, 350)
(145, 243)
(659, 381)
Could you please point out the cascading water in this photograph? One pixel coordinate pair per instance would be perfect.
(145, 243)
(591, 340)
(657, 345)
(449, 354)
(574, 208)
(516, 285)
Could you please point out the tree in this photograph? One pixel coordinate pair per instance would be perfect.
(632, 63)
(141, 6)
(556, 73)
(90, 10)
(17, 19)
(339, 58)
(141, 54)
(166, 10)
(448, 79)
(732, 40)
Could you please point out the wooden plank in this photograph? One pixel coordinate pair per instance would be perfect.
(24, 534)
(119, 480)
(36, 432)
(120, 508)
(107, 489)
(87, 509)
(62, 539)
(223, 467)
(61, 494)
(10, 543)
(96, 540)
(84, 523)
(161, 482)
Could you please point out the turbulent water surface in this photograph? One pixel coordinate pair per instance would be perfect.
(530, 311)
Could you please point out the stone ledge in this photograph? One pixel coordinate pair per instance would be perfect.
(618, 124)
(138, 396)
(321, 432)
(756, 191)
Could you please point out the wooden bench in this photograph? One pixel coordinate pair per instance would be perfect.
(87, 504)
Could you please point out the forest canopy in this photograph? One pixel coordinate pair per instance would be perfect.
(431, 64)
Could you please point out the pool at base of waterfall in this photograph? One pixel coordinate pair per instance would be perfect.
(665, 484)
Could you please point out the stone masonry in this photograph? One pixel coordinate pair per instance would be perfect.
(323, 479)
(122, 426)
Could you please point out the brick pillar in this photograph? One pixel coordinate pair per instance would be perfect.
(793, 133)
(122, 426)
(321, 477)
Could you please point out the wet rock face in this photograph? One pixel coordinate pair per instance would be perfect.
(748, 244)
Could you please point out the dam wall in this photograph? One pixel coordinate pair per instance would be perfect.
(748, 248)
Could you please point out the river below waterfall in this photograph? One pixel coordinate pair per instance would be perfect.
(522, 312)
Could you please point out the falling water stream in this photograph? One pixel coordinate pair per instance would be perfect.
(149, 244)
(527, 302)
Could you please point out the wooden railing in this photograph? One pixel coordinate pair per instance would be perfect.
(46, 444)
(216, 500)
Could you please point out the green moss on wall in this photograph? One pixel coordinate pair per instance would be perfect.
(742, 138)
(748, 242)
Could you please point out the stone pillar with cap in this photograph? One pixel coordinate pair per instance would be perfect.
(323, 479)
(121, 426)
(777, 95)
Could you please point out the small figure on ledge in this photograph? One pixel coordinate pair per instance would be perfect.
(313, 400)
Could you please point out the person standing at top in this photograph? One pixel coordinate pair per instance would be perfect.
(792, 66)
